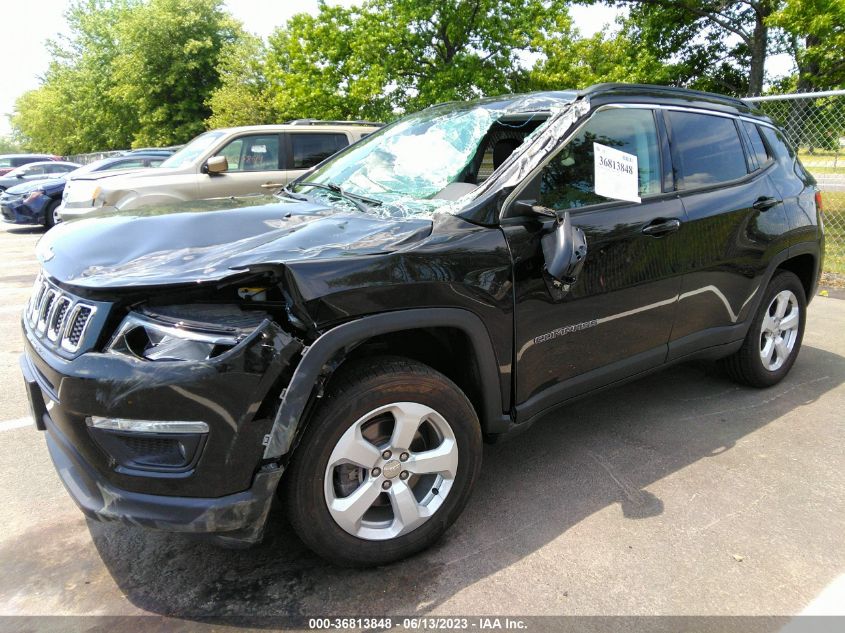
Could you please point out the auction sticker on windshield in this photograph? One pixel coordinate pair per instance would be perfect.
(616, 173)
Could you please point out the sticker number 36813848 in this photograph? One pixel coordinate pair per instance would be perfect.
(616, 173)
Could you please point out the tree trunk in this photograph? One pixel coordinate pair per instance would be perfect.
(758, 47)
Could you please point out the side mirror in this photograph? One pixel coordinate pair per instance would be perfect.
(565, 250)
(216, 165)
(19, 176)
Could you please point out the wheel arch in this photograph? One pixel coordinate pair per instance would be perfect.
(804, 261)
(362, 336)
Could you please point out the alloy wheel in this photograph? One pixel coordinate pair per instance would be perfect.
(780, 330)
(391, 471)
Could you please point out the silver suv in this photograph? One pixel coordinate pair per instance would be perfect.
(225, 162)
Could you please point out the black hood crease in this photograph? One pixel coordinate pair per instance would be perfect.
(200, 246)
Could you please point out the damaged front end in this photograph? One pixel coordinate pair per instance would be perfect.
(156, 411)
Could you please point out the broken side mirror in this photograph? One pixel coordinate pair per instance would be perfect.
(564, 250)
(564, 247)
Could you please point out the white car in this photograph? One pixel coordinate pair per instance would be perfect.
(225, 162)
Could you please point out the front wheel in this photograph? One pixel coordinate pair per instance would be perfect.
(51, 215)
(386, 464)
(775, 335)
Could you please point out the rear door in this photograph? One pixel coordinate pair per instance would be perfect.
(256, 165)
(307, 149)
(616, 319)
(735, 218)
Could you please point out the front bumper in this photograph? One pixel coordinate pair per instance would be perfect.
(235, 518)
(68, 213)
(226, 492)
(16, 212)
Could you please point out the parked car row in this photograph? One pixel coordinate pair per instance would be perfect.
(225, 162)
(36, 201)
(219, 163)
(8, 162)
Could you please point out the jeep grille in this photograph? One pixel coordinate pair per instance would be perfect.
(58, 316)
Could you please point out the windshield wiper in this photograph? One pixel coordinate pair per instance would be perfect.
(354, 198)
(293, 196)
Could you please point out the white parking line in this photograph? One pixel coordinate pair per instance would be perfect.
(8, 425)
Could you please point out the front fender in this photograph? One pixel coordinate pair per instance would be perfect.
(300, 390)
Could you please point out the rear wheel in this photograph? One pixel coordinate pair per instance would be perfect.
(386, 464)
(51, 215)
(775, 335)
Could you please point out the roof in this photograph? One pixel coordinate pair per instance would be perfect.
(618, 92)
(311, 127)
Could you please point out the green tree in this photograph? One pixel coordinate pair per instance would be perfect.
(817, 35)
(243, 97)
(712, 44)
(74, 109)
(389, 56)
(9, 145)
(570, 61)
(131, 73)
(166, 69)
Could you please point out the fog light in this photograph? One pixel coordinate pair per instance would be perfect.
(146, 426)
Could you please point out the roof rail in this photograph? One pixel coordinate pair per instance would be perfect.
(321, 122)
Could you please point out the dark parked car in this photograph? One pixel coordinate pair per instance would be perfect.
(9, 161)
(31, 172)
(38, 202)
(450, 278)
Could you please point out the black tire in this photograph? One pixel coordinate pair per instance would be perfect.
(49, 222)
(358, 389)
(746, 365)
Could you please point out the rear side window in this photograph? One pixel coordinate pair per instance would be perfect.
(706, 149)
(5, 162)
(757, 146)
(311, 149)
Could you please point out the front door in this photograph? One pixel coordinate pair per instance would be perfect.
(616, 319)
(255, 166)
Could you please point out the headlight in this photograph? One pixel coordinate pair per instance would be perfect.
(32, 197)
(96, 196)
(170, 338)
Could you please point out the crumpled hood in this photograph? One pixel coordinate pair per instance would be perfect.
(187, 247)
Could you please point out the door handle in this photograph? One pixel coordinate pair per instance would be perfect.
(764, 203)
(272, 185)
(662, 227)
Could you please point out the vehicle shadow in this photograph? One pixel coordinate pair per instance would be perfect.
(26, 229)
(600, 451)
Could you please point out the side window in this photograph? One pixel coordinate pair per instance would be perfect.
(155, 162)
(706, 149)
(58, 169)
(35, 170)
(5, 162)
(310, 149)
(568, 181)
(757, 145)
(129, 164)
(253, 153)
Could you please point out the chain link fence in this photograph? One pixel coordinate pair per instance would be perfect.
(815, 124)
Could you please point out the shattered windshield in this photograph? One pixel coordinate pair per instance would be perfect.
(424, 162)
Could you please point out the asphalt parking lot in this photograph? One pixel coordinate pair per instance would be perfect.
(679, 494)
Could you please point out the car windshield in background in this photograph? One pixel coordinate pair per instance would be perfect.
(192, 150)
(409, 166)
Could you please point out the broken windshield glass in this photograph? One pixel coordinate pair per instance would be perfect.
(440, 158)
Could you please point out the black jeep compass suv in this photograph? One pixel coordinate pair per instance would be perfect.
(346, 346)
